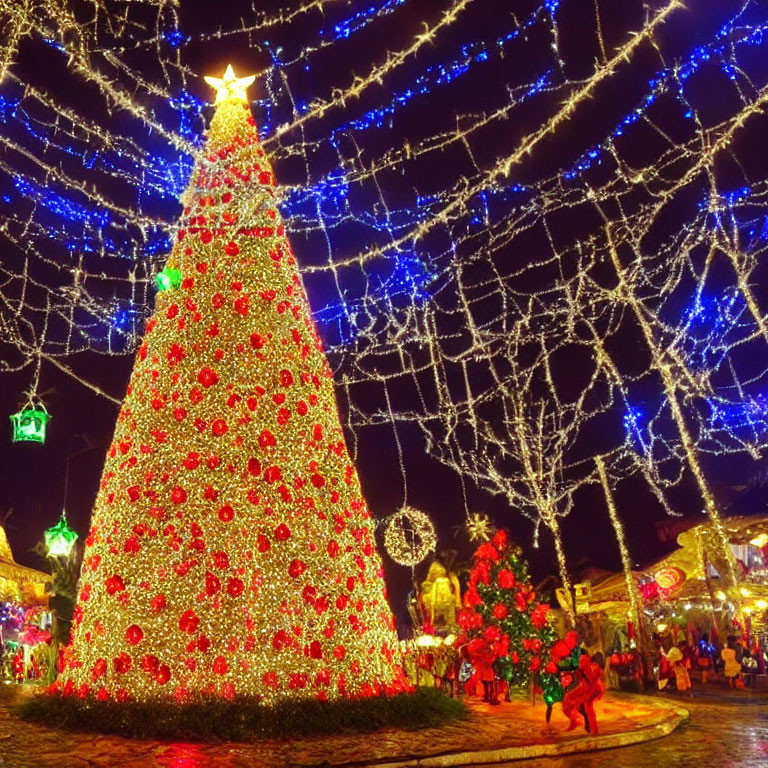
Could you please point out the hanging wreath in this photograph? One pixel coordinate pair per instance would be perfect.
(409, 536)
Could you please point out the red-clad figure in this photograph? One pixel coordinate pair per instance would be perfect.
(18, 666)
(482, 657)
(581, 699)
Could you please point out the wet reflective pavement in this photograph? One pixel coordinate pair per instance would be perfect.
(721, 732)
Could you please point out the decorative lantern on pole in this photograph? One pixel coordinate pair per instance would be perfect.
(59, 539)
(30, 423)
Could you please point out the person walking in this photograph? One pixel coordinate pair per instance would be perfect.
(679, 662)
(732, 667)
(704, 657)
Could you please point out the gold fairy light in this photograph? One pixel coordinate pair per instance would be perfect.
(409, 536)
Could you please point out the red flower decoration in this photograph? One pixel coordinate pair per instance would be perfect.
(163, 674)
(231, 249)
(226, 513)
(241, 305)
(315, 650)
(539, 615)
(505, 579)
(188, 622)
(134, 634)
(560, 651)
(272, 474)
(99, 668)
(178, 495)
(481, 573)
(296, 568)
(499, 540)
(282, 532)
(150, 663)
(487, 551)
(280, 639)
(212, 584)
(207, 377)
(258, 341)
(220, 665)
(158, 604)
(114, 584)
(469, 619)
(219, 427)
(500, 611)
(254, 467)
(122, 663)
(266, 439)
(235, 587)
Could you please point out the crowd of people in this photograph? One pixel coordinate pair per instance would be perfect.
(737, 661)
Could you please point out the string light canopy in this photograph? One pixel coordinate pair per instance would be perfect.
(420, 269)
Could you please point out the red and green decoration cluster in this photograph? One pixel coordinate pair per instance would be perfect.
(231, 552)
(502, 612)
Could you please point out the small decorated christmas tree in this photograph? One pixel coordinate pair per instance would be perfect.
(506, 623)
(231, 552)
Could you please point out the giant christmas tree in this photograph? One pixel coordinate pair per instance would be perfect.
(231, 552)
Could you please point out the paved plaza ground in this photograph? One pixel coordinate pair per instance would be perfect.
(491, 734)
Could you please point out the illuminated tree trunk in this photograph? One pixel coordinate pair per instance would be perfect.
(231, 552)
(665, 371)
(633, 595)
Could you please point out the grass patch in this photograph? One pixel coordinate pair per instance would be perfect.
(243, 719)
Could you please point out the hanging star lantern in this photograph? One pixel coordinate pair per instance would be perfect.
(59, 539)
(229, 86)
(478, 527)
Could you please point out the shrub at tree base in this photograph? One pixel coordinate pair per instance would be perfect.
(243, 719)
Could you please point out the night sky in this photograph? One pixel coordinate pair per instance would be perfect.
(33, 476)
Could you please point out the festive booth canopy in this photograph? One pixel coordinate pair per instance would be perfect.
(19, 584)
(682, 575)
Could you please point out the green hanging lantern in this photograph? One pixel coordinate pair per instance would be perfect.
(59, 539)
(29, 423)
(168, 278)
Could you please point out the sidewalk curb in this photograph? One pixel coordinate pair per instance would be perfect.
(529, 751)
